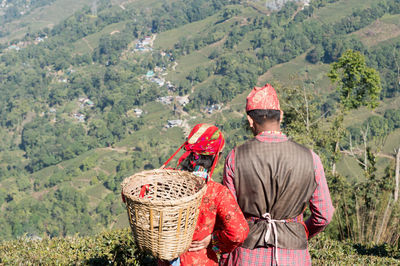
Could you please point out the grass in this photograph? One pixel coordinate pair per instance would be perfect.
(186, 65)
(381, 30)
(121, 221)
(295, 72)
(392, 142)
(167, 39)
(90, 42)
(174, 134)
(46, 16)
(335, 12)
(391, 19)
(157, 114)
(149, 4)
(9, 184)
(349, 167)
(97, 191)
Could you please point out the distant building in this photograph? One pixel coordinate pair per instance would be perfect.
(278, 4)
(182, 100)
(174, 123)
(160, 81)
(150, 74)
(144, 44)
(138, 112)
(79, 117)
(14, 47)
(39, 39)
(170, 86)
(212, 108)
(88, 102)
(146, 41)
(165, 99)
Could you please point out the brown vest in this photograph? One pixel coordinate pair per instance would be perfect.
(276, 178)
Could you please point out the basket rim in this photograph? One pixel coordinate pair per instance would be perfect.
(164, 202)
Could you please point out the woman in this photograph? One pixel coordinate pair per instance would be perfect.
(221, 226)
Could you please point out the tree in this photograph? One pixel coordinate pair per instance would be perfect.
(315, 55)
(358, 84)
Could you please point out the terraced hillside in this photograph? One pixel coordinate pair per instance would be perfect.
(104, 95)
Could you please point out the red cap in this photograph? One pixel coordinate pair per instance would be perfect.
(262, 98)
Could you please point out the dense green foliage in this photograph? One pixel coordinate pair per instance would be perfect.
(17, 8)
(358, 85)
(118, 248)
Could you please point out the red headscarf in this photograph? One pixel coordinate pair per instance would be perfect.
(204, 139)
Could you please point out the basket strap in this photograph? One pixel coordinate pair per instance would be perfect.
(143, 190)
(215, 162)
(123, 197)
(173, 155)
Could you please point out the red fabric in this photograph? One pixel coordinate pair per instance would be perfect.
(144, 190)
(320, 205)
(262, 98)
(205, 139)
(221, 216)
(123, 197)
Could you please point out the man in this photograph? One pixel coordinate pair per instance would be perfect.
(273, 179)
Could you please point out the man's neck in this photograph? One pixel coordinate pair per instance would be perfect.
(267, 127)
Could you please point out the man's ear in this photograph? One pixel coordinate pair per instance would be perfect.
(251, 121)
(281, 119)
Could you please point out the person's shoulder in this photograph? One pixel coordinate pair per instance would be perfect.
(245, 145)
(216, 187)
(214, 184)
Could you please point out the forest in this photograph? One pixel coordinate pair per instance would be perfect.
(82, 104)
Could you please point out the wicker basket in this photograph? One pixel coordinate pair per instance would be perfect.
(164, 219)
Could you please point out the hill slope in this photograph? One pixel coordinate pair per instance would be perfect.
(105, 95)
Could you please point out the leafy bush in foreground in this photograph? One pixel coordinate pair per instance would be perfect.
(117, 248)
(111, 247)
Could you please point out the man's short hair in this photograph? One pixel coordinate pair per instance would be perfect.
(260, 116)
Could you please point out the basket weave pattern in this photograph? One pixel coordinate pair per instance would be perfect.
(164, 220)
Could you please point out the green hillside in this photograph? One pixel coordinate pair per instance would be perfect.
(45, 14)
(89, 101)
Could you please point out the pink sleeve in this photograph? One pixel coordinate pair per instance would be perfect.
(320, 203)
(229, 172)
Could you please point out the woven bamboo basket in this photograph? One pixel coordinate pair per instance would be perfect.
(164, 219)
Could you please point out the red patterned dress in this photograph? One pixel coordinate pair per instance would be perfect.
(220, 216)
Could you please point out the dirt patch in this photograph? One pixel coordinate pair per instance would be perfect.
(88, 44)
(117, 149)
(220, 42)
